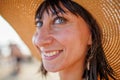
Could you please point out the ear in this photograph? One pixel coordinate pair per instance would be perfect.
(90, 40)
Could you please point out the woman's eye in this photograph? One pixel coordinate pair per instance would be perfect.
(59, 20)
(39, 23)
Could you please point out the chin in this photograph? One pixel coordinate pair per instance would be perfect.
(53, 68)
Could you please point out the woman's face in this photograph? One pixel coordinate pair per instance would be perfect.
(62, 40)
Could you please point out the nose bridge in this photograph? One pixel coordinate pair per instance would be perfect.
(44, 37)
(43, 32)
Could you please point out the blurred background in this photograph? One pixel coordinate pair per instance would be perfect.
(16, 60)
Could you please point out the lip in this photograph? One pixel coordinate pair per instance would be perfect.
(51, 57)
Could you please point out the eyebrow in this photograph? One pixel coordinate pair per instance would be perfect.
(53, 13)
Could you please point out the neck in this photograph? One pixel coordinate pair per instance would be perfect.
(75, 72)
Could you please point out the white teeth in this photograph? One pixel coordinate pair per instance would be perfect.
(52, 53)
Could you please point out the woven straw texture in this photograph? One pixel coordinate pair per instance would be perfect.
(20, 14)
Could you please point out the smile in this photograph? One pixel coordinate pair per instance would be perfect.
(49, 55)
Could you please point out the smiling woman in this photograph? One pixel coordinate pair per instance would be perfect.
(58, 22)
(80, 39)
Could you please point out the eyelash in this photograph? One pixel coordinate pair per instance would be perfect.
(39, 23)
(62, 19)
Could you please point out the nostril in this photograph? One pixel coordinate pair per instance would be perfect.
(42, 41)
(46, 41)
(49, 40)
(42, 37)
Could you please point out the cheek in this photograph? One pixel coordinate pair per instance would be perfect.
(75, 49)
(64, 36)
(72, 38)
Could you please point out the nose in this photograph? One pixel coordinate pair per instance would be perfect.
(42, 38)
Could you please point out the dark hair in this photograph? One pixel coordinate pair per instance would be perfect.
(98, 63)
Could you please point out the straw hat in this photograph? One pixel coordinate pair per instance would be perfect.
(20, 14)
